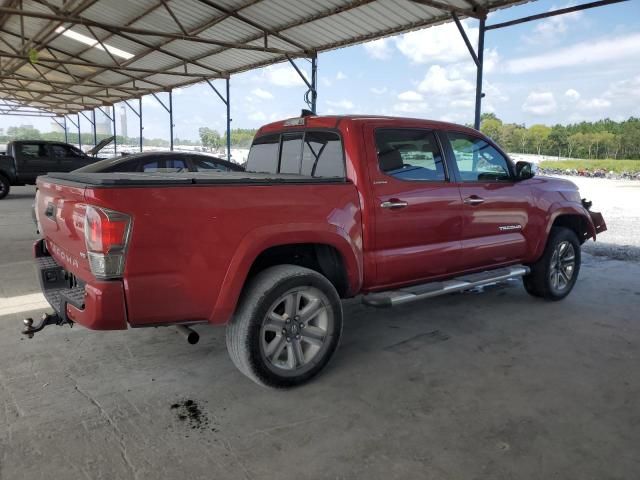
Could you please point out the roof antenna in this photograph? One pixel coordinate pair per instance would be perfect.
(306, 113)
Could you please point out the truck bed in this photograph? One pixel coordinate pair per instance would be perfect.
(141, 179)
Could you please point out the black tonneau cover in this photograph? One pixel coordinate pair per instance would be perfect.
(139, 179)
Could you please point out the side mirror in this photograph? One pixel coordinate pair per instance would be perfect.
(525, 170)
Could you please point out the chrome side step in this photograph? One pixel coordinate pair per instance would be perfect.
(392, 298)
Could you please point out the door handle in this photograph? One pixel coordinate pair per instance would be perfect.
(394, 204)
(473, 200)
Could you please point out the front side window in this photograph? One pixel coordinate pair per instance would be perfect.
(263, 156)
(409, 155)
(477, 160)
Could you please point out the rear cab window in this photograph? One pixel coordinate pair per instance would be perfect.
(314, 153)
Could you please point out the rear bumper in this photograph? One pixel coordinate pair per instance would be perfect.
(96, 305)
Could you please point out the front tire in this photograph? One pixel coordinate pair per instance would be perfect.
(555, 274)
(5, 186)
(287, 326)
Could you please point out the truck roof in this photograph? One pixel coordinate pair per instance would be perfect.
(332, 121)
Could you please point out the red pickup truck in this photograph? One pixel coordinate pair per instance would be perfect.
(330, 207)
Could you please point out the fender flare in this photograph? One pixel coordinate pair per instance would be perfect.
(559, 209)
(268, 236)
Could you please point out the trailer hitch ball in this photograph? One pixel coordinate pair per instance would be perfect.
(28, 324)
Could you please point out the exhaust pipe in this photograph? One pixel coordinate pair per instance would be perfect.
(188, 333)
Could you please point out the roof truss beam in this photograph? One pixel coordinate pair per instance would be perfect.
(143, 32)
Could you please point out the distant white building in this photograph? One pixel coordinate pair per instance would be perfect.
(56, 128)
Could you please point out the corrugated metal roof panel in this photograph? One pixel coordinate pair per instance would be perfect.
(161, 51)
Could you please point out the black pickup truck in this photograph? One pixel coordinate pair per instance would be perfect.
(26, 159)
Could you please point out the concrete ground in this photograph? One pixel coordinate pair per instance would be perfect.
(476, 386)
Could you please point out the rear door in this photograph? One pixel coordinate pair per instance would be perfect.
(495, 205)
(33, 159)
(417, 210)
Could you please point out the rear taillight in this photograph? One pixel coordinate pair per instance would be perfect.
(106, 234)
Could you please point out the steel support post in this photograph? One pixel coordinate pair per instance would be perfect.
(311, 94)
(228, 104)
(79, 138)
(93, 121)
(227, 101)
(66, 139)
(480, 55)
(140, 119)
(314, 83)
(170, 120)
(113, 121)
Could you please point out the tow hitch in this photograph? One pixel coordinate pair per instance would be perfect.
(47, 319)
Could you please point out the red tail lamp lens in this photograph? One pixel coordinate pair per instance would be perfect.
(105, 230)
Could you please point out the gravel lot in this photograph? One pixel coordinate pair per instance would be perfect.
(491, 386)
(619, 202)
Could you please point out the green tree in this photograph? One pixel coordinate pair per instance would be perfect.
(492, 127)
(210, 138)
(537, 136)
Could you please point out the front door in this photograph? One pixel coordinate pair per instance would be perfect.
(70, 158)
(417, 211)
(495, 205)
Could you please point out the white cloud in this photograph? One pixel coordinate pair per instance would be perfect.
(624, 90)
(378, 90)
(326, 82)
(410, 96)
(342, 105)
(551, 29)
(257, 116)
(260, 93)
(379, 49)
(540, 103)
(463, 103)
(581, 54)
(410, 107)
(340, 76)
(442, 44)
(594, 104)
(284, 76)
(440, 81)
(572, 95)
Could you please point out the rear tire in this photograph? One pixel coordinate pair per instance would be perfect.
(554, 275)
(5, 186)
(287, 326)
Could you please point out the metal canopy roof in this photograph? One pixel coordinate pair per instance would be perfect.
(64, 57)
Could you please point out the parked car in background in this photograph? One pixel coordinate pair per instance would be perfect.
(395, 209)
(163, 162)
(25, 160)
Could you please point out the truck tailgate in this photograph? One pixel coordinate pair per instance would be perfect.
(60, 211)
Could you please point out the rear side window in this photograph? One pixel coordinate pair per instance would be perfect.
(312, 153)
(409, 154)
(263, 156)
(33, 150)
(205, 165)
(175, 165)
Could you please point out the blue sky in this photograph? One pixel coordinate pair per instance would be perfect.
(580, 66)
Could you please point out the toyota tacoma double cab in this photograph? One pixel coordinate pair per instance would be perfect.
(25, 160)
(330, 207)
